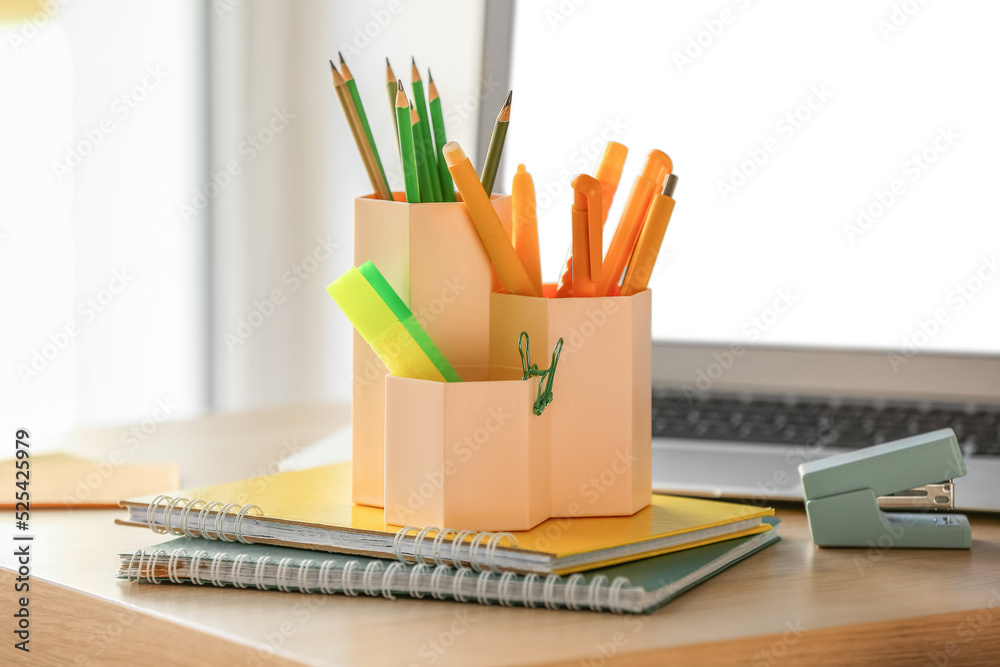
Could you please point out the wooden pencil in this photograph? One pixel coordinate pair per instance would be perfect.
(440, 139)
(390, 86)
(407, 158)
(352, 86)
(492, 163)
(368, 157)
(424, 134)
(424, 170)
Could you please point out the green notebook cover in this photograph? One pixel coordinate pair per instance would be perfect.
(640, 586)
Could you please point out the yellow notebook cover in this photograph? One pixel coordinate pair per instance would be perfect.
(312, 509)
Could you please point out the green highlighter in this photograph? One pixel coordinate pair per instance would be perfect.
(846, 495)
(386, 324)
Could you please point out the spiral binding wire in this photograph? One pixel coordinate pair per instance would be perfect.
(205, 511)
(377, 579)
(488, 541)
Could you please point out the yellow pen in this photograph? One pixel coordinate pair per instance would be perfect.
(640, 268)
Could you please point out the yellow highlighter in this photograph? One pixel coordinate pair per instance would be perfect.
(525, 234)
(484, 217)
(588, 237)
(648, 246)
(388, 326)
(657, 166)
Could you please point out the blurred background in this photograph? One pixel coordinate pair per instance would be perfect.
(177, 178)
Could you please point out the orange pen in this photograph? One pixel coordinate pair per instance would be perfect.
(588, 241)
(609, 173)
(657, 166)
(525, 232)
(648, 246)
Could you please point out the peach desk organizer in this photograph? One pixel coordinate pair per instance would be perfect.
(466, 455)
(433, 258)
(601, 421)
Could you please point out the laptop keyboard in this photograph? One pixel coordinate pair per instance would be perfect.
(816, 423)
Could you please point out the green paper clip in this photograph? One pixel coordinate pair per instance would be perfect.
(547, 377)
(846, 495)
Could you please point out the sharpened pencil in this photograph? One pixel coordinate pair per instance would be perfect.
(424, 170)
(437, 121)
(390, 86)
(352, 86)
(407, 157)
(368, 155)
(424, 135)
(492, 162)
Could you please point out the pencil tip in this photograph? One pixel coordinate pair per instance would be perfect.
(387, 62)
(509, 96)
(413, 61)
(399, 85)
(332, 66)
(341, 56)
(430, 77)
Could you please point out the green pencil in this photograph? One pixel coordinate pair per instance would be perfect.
(390, 86)
(444, 176)
(425, 131)
(352, 87)
(492, 163)
(408, 162)
(425, 171)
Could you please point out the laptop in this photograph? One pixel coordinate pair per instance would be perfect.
(825, 282)
(739, 425)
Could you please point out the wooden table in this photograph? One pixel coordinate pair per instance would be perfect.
(790, 604)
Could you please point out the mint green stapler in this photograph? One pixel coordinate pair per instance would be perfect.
(846, 495)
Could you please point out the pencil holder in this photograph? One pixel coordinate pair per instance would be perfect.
(433, 258)
(601, 416)
(467, 455)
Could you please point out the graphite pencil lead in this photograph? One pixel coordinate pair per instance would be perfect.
(341, 56)
(399, 85)
(430, 77)
(510, 95)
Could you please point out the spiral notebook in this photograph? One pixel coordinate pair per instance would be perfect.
(312, 509)
(641, 586)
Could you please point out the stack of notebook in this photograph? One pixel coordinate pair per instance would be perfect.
(298, 531)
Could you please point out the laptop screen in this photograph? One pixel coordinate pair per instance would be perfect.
(837, 162)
